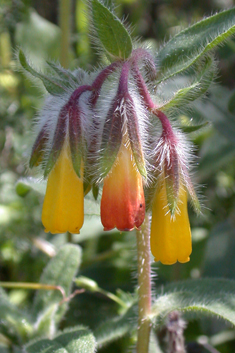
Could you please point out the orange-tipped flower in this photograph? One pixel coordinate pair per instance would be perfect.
(123, 203)
(63, 204)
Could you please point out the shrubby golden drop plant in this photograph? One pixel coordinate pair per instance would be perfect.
(113, 129)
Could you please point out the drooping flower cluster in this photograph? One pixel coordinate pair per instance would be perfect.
(100, 134)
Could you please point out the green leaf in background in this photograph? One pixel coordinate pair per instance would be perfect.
(192, 128)
(117, 327)
(231, 103)
(14, 323)
(220, 248)
(194, 91)
(60, 271)
(217, 152)
(75, 340)
(38, 37)
(201, 296)
(190, 44)
(24, 185)
(110, 31)
(53, 85)
(215, 109)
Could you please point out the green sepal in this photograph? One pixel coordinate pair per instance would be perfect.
(191, 44)
(111, 137)
(75, 138)
(193, 196)
(52, 84)
(58, 141)
(38, 149)
(172, 182)
(134, 136)
(113, 36)
(95, 191)
(86, 187)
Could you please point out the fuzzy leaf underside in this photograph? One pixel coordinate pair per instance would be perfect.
(201, 297)
(75, 340)
(189, 45)
(110, 31)
(194, 91)
(60, 271)
(53, 85)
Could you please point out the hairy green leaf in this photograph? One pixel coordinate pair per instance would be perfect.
(53, 85)
(190, 44)
(45, 325)
(194, 91)
(60, 271)
(76, 340)
(64, 75)
(110, 31)
(202, 296)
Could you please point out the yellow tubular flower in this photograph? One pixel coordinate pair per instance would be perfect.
(63, 208)
(170, 236)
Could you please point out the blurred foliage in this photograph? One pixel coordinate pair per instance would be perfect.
(109, 258)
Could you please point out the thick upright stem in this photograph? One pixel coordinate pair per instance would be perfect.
(144, 286)
(64, 22)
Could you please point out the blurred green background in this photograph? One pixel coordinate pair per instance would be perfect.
(109, 258)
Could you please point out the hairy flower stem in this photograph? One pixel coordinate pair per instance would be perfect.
(64, 21)
(144, 286)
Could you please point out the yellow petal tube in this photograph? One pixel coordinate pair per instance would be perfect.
(63, 208)
(170, 236)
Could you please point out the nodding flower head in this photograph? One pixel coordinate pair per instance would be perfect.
(170, 229)
(80, 139)
(61, 149)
